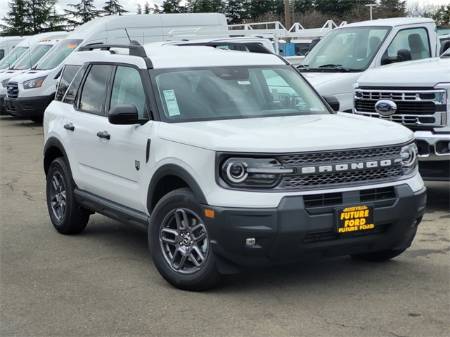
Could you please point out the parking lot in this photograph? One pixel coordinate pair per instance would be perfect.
(103, 283)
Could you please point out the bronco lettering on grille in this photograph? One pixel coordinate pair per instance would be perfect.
(346, 166)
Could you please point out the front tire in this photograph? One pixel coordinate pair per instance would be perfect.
(67, 216)
(179, 242)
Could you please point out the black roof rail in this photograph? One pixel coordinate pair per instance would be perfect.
(252, 47)
(135, 49)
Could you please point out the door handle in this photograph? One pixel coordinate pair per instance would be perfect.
(69, 126)
(103, 134)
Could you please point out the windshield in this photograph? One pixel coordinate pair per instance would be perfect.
(28, 59)
(345, 49)
(58, 54)
(194, 94)
(12, 57)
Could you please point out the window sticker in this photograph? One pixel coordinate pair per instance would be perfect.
(171, 103)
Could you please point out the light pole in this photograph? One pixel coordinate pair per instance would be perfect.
(371, 6)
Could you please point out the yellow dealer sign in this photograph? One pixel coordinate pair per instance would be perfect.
(355, 219)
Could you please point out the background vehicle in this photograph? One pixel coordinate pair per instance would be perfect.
(417, 95)
(32, 92)
(336, 62)
(7, 43)
(228, 158)
(35, 51)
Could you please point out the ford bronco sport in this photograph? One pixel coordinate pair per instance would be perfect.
(229, 159)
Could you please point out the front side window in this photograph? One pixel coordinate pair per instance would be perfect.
(94, 91)
(408, 44)
(12, 57)
(2, 53)
(67, 76)
(346, 49)
(30, 58)
(128, 89)
(234, 92)
(58, 54)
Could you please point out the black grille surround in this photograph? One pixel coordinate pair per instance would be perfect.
(12, 89)
(298, 180)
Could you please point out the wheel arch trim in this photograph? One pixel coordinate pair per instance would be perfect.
(54, 142)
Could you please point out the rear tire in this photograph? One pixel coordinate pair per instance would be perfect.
(381, 256)
(179, 242)
(67, 216)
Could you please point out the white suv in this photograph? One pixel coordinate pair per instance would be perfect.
(229, 158)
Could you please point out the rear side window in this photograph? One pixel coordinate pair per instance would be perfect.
(128, 89)
(94, 90)
(67, 76)
(71, 93)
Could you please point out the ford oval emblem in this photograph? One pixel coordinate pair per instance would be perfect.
(385, 107)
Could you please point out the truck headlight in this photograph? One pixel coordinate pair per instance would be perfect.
(252, 172)
(5, 82)
(444, 96)
(408, 155)
(34, 83)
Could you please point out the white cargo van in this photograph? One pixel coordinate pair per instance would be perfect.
(26, 61)
(7, 43)
(36, 88)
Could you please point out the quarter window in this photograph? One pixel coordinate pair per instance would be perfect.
(94, 91)
(128, 89)
(67, 76)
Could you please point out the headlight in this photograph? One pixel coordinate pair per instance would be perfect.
(408, 155)
(252, 172)
(34, 83)
(5, 82)
(443, 97)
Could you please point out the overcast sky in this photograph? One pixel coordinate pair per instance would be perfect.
(131, 5)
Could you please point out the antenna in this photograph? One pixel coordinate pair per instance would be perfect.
(128, 35)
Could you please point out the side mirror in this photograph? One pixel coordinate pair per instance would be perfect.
(404, 55)
(332, 102)
(124, 114)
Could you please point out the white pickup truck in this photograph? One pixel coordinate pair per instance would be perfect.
(339, 59)
(415, 94)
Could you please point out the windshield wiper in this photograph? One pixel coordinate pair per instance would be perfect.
(331, 65)
(303, 66)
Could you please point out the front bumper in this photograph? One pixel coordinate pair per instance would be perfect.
(434, 155)
(27, 107)
(2, 105)
(298, 229)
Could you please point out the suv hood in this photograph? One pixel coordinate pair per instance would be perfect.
(423, 73)
(327, 83)
(287, 134)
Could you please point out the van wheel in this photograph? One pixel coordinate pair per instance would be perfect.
(67, 216)
(380, 256)
(179, 242)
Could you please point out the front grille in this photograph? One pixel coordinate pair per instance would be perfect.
(12, 89)
(322, 200)
(316, 180)
(415, 108)
(297, 159)
(376, 194)
(340, 178)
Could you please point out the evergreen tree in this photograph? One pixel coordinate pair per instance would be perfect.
(303, 6)
(82, 12)
(442, 16)
(235, 11)
(15, 21)
(56, 21)
(206, 6)
(139, 9)
(147, 9)
(391, 8)
(173, 6)
(113, 7)
(38, 14)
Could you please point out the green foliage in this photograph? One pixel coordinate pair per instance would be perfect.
(173, 6)
(82, 12)
(442, 16)
(113, 7)
(15, 21)
(205, 6)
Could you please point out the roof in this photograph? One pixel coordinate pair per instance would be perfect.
(169, 56)
(391, 22)
(199, 56)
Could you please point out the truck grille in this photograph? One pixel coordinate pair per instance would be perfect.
(12, 89)
(415, 108)
(315, 180)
